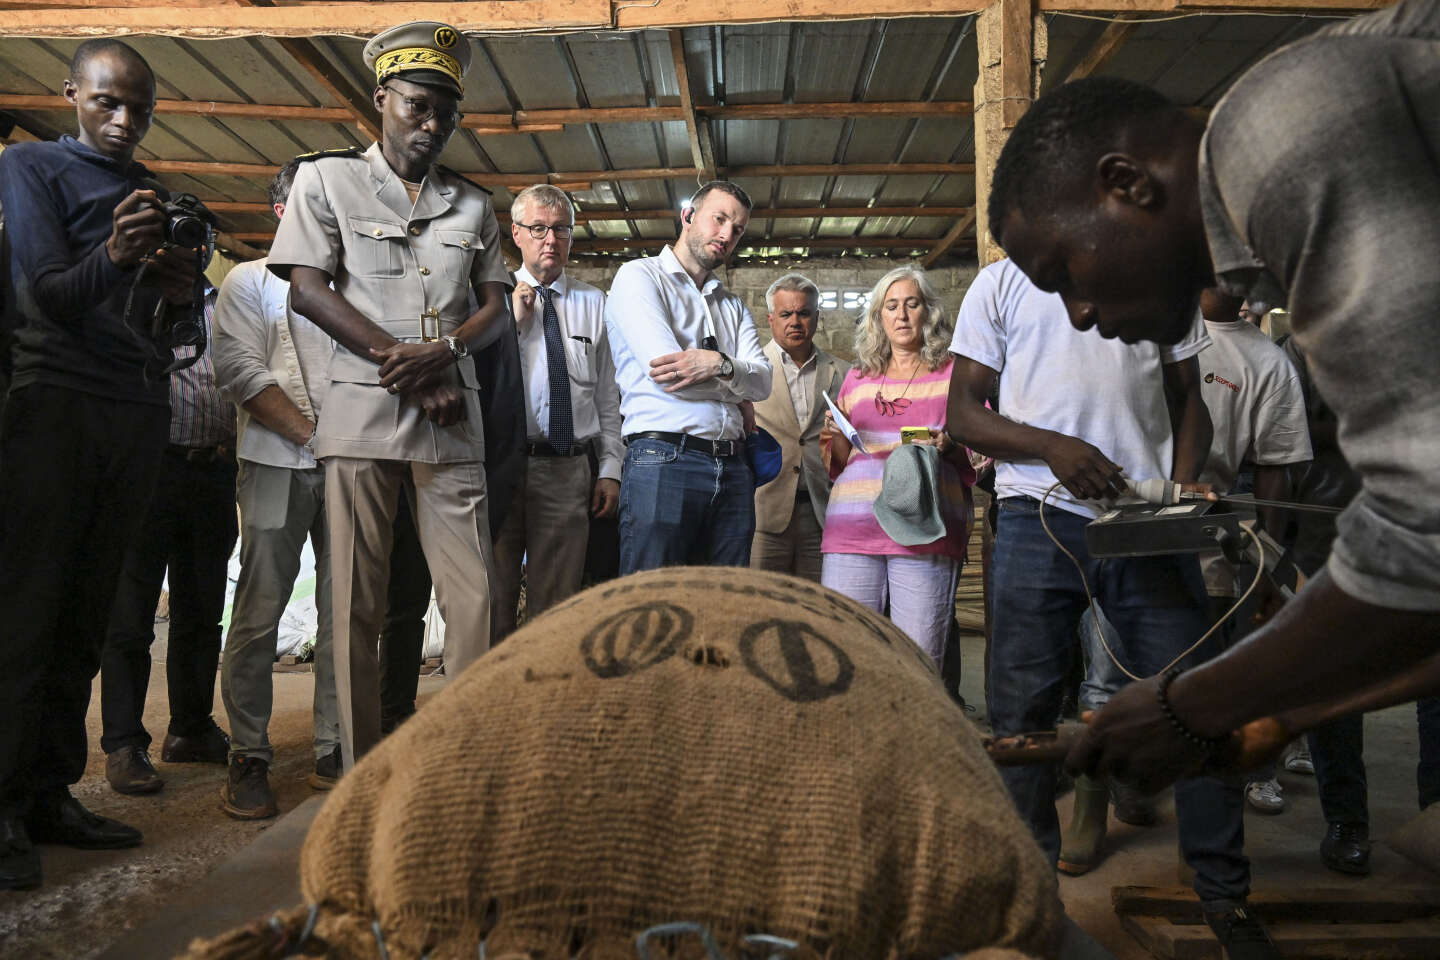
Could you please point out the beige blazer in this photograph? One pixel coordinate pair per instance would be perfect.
(775, 502)
(409, 269)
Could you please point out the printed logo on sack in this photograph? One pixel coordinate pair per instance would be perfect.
(1216, 378)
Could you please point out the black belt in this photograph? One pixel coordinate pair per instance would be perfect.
(541, 448)
(713, 448)
(216, 454)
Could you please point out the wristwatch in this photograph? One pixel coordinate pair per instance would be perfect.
(727, 367)
(459, 349)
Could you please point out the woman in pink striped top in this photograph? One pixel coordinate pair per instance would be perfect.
(901, 380)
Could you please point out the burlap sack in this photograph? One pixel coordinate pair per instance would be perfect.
(742, 750)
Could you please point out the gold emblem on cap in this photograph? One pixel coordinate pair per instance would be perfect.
(445, 38)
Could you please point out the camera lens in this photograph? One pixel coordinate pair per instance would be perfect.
(187, 230)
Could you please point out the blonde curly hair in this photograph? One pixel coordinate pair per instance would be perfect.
(872, 346)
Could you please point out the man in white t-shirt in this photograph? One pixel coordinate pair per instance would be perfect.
(1257, 405)
(1080, 416)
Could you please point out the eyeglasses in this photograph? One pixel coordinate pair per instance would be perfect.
(890, 408)
(420, 111)
(538, 230)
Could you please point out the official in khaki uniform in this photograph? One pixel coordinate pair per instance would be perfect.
(411, 249)
(790, 510)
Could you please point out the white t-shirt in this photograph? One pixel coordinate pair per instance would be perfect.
(1106, 392)
(1257, 405)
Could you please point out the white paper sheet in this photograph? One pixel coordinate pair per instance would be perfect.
(843, 422)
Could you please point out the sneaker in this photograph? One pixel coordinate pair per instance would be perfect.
(246, 794)
(327, 770)
(1298, 759)
(1264, 795)
(1242, 935)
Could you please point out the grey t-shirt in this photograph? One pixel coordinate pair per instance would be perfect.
(1319, 178)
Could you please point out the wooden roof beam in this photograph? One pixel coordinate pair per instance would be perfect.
(308, 55)
(759, 213)
(576, 177)
(697, 128)
(948, 241)
(1103, 49)
(831, 110)
(650, 243)
(208, 19)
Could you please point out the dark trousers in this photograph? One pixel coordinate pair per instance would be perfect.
(76, 473)
(403, 639)
(1158, 608)
(189, 529)
(1338, 751)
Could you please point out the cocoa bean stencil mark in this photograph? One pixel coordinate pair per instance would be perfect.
(636, 638)
(798, 663)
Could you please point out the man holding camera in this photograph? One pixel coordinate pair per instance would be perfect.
(82, 434)
(413, 251)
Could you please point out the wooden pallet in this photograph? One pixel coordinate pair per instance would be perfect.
(1363, 923)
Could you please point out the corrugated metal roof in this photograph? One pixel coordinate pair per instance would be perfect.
(1191, 59)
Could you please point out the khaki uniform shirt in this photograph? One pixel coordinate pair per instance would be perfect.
(408, 269)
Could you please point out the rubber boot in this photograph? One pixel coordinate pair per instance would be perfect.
(1081, 845)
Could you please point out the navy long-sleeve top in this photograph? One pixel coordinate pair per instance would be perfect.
(59, 200)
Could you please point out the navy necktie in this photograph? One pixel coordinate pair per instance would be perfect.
(562, 418)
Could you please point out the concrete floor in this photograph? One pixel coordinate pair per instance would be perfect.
(91, 899)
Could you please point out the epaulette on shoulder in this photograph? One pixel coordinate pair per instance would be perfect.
(460, 176)
(336, 152)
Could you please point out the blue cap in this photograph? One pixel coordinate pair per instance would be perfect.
(765, 456)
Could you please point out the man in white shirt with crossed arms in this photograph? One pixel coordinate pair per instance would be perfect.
(686, 358)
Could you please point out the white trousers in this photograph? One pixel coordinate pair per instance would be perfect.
(921, 591)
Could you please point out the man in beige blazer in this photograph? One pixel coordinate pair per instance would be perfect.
(790, 510)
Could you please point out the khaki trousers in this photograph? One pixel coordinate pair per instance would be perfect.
(796, 549)
(547, 529)
(451, 515)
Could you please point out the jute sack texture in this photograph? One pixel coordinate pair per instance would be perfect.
(746, 751)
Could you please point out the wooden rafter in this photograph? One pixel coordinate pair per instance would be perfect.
(533, 121)
(952, 237)
(209, 19)
(609, 245)
(697, 128)
(1111, 39)
(756, 215)
(575, 177)
(308, 55)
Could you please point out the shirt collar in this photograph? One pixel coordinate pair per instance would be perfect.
(136, 168)
(559, 285)
(789, 361)
(671, 264)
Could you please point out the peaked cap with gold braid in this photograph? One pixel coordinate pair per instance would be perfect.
(425, 52)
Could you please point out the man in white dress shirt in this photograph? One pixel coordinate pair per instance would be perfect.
(686, 358)
(572, 406)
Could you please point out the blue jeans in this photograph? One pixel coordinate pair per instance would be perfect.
(1157, 606)
(684, 507)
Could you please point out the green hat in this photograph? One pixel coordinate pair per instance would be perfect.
(425, 52)
(908, 507)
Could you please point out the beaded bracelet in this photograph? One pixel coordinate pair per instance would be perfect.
(1162, 695)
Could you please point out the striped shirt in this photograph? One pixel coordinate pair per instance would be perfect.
(850, 524)
(199, 416)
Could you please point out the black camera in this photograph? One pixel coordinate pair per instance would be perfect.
(187, 221)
